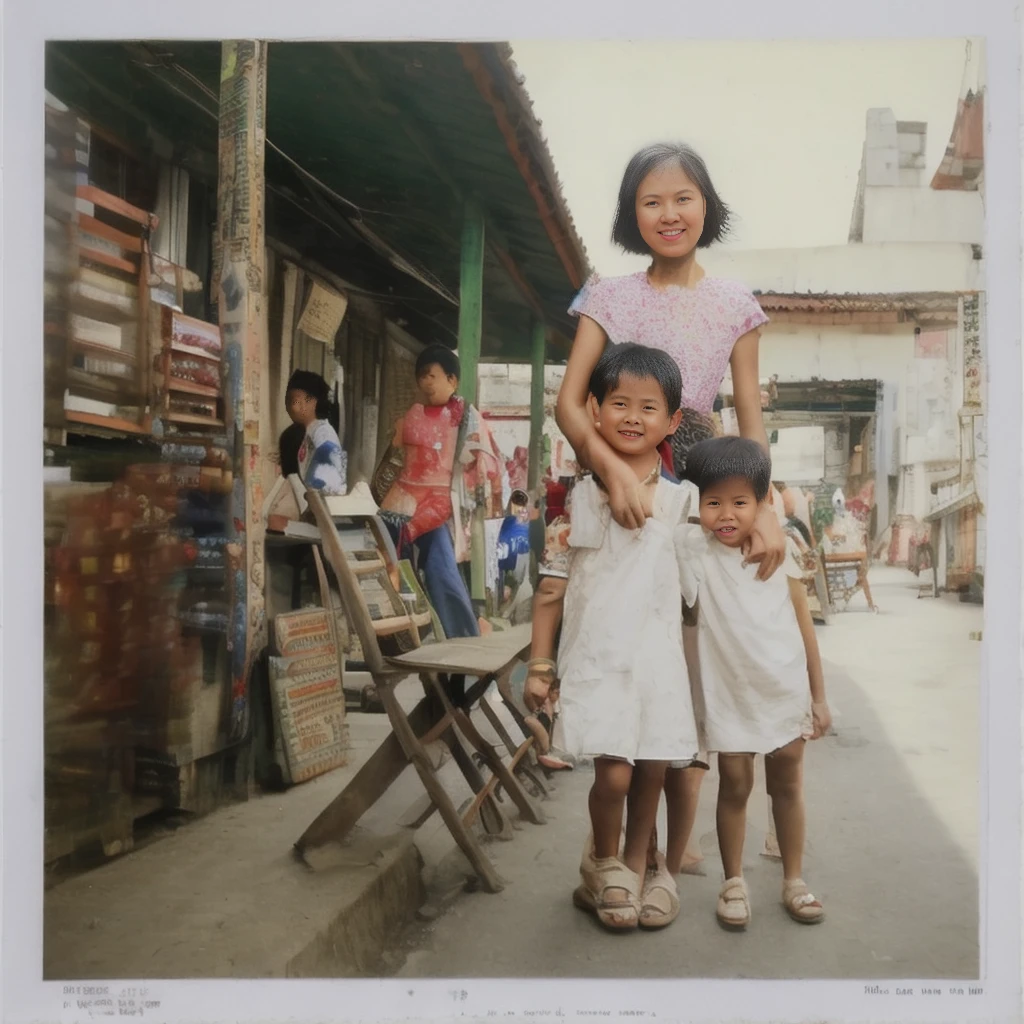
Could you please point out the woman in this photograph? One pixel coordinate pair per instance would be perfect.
(668, 208)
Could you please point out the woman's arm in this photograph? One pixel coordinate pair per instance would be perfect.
(819, 707)
(628, 505)
(767, 544)
(746, 388)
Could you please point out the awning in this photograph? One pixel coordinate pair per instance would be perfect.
(373, 150)
(966, 499)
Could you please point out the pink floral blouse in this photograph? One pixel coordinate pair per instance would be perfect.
(697, 327)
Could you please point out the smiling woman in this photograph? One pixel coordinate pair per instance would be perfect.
(667, 199)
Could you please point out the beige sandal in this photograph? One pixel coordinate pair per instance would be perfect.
(659, 889)
(598, 875)
(733, 909)
(800, 903)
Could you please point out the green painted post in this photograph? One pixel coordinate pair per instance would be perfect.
(535, 466)
(471, 299)
(471, 304)
(538, 344)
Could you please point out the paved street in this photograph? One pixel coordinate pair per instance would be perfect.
(892, 836)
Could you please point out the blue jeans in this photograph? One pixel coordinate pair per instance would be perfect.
(435, 557)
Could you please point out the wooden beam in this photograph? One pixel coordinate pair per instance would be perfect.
(487, 89)
(243, 320)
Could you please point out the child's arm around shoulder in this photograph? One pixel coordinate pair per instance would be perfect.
(819, 707)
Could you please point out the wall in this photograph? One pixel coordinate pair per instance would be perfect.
(505, 388)
(888, 267)
(922, 215)
(798, 353)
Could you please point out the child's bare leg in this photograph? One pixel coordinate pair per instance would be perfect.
(642, 802)
(784, 771)
(736, 780)
(607, 804)
(682, 794)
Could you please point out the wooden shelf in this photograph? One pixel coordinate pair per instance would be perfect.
(105, 258)
(99, 310)
(189, 388)
(115, 423)
(112, 203)
(199, 421)
(103, 350)
(194, 353)
(92, 226)
(101, 384)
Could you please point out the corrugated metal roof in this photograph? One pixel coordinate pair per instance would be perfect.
(389, 140)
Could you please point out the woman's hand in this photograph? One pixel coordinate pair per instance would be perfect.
(630, 501)
(821, 716)
(766, 545)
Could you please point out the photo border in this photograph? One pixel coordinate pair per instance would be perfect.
(26, 997)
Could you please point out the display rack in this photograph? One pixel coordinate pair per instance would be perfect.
(107, 379)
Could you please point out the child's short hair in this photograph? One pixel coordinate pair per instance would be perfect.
(439, 355)
(638, 361)
(720, 458)
(315, 386)
(626, 230)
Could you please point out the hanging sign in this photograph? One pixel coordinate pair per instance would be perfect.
(322, 316)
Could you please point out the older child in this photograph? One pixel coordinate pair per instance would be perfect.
(624, 695)
(761, 679)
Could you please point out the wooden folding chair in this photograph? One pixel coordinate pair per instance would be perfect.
(392, 652)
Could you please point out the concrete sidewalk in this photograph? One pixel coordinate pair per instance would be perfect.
(225, 897)
(892, 849)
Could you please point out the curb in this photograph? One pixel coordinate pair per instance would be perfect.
(353, 943)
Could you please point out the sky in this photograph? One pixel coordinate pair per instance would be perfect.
(780, 124)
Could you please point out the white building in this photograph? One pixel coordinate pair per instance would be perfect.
(879, 343)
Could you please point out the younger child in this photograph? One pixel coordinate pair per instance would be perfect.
(624, 695)
(760, 672)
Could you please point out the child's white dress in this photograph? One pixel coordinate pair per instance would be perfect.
(624, 690)
(755, 693)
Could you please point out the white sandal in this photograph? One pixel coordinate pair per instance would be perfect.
(733, 909)
(800, 903)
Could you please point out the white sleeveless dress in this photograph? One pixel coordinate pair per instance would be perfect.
(754, 690)
(624, 686)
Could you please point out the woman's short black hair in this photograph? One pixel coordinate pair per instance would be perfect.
(637, 361)
(438, 355)
(316, 387)
(626, 230)
(720, 458)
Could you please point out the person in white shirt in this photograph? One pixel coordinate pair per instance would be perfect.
(761, 684)
(322, 462)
